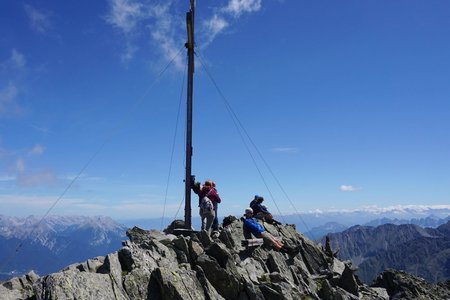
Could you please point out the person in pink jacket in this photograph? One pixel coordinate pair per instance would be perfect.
(207, 214)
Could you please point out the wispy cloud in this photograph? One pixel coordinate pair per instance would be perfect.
(17, 59)
(13, 69)
(41, 129)
(238, 7)
(129, 52)
(42, 202)
(8, 99)
(84, 177)
(349, 188)
(407, 208)
(20, 165)
(125, 14)
(165, 33)
(285, 149)
(165, 26)
(42, 178)
(224, 16)
(4, 178)
(37, 149)
(39, 20)
(132, 18)
(213, 27)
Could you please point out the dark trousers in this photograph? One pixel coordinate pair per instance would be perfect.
(215, 225)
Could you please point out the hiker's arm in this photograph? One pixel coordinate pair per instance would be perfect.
(196, 187)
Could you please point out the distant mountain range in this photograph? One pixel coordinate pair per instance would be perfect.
(316, 224)
(61, 240)
(421, 251)
(317, 233)
(305, 221)
(29, 244)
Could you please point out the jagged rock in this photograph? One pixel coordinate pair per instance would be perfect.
(174, 225)
(73, 284)
(221, 254)
(18, 288)
(277, 263)
(195, 249)
(210, 291)
(205, 239)
(337, 267)
(153, 265)
(254, 268)
(348, 281)
(136, 283)
(401, 285)
(178, 284)
(228, 284)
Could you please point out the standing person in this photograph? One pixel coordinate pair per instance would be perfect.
(251, 225)
(207, 202)
(215, 226)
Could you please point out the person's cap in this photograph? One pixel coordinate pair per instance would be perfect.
(257, 196)
(248, 211)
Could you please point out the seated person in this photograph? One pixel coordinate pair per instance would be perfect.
(260, 211)
(252, 226)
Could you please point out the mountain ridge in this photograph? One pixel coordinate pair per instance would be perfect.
(421, 251)
(156, 265)
(46, 245)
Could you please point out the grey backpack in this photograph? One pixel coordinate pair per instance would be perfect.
(206, 204)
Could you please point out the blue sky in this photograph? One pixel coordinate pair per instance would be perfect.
(347, 101)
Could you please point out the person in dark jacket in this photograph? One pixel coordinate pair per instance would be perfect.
(260, 211)
(207, 190)
(215, 225)
(253, 227)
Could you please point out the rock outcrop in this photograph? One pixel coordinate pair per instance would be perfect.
(156, 265)
(401, 285)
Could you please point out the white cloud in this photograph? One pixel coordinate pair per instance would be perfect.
(166, 32)
(348, 188)
(39, 21)
(38, 149)
(125, 14)
(13, 68)
(408, 208)
(43, 202)
(8, 97)
(4, 178)
(133, 18)
(20, 165)
(83, 177)
(18, 59)
(285, 149)
(128, 55)
(238, 7)
(43, 178)
(166, 27)
(41, 129)
(213, 27)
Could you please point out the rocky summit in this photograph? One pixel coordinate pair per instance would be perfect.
(157, 265)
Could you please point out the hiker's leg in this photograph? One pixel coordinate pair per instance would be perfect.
(215, 225)
(247, 233)
(209, 221)
(203, 219)
(260, 216)
(270, 240)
